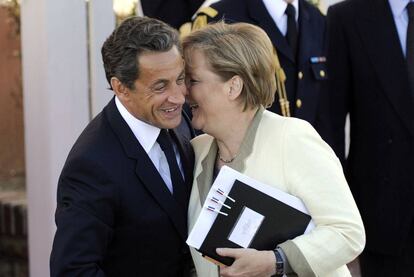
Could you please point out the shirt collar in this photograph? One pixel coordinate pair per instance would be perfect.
(145, 133)
(398, 6)
(277, 8)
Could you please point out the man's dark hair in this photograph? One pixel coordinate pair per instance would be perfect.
(134, 36)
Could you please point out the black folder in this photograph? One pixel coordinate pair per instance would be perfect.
(281, 222)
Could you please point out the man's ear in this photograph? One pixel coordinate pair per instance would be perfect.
(236, 86)
(121, 91)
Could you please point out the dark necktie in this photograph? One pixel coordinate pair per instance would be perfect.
(179, 191)
(292, 31)
(410, 46)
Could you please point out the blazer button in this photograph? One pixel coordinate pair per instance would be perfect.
(300, 75)
(322, 73)
(389, 141)
(298, 103)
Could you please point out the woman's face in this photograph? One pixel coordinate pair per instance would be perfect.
(206, 92)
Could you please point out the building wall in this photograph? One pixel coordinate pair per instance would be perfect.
(11, 104)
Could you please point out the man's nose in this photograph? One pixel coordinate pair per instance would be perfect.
(178, 94)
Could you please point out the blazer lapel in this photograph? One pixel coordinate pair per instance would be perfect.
(204, 171)
(376, 26)
(261, 17)
(145, 169)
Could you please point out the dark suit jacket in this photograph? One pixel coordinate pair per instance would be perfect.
(115, 216)
(173, 12)
(311, 90)
(369, 79)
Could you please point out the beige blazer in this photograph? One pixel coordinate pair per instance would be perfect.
(289, 154)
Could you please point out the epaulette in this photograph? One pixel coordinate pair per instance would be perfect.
(201, 20)
(280, 85)
(209, 11)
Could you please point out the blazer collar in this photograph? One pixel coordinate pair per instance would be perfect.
(145, 169)
(204, 174)
(388, 62)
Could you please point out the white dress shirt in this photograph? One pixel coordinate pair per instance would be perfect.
(399, 11)
(277, 8)
(147, 135)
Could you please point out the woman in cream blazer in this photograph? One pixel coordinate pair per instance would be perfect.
(230, 78)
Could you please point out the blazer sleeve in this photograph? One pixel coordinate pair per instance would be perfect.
(340, 80)
(84, 218)
(314, 174)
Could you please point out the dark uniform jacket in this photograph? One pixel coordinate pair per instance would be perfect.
(369, 79)
(115, 216)
(306, 74)
(173, 12)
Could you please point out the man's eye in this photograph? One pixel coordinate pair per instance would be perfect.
(159, 89)
(180, 80)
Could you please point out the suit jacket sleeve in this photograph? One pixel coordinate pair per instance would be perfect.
(84, 219)
(314, 174)
(339, 80)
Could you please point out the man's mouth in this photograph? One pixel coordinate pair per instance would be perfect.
(170, 110)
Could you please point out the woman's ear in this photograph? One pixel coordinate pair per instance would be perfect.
(236, 86)
(121, 91)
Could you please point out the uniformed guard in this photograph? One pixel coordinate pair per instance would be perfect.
(297, 30)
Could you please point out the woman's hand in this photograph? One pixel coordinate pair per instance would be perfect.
(248, 262)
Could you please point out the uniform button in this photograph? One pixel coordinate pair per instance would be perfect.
(300, 75)
(298, 103)
(322, 73)
(390, 141)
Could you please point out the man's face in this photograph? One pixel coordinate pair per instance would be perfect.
(160, 89)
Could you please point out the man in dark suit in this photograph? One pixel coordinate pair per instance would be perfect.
(298, 33)
(121, 206)
(369, 80)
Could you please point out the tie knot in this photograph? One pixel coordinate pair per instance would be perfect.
(410, 10)
(290, 10)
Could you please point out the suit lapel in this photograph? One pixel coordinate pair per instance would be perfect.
(258, 12)
(187, 158)
(305, 34)
(376, 26)
(145, 169)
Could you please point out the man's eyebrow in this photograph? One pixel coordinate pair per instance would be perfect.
(165, 81)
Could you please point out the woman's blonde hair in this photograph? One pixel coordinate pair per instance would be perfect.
(238, 49)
